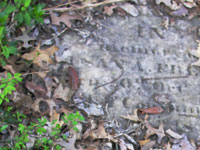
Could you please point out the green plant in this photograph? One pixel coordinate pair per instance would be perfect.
(3, 127)
(25, 12)
(28, 12)
(6, 48)
(8, 86)
(72, 120)
(43, 138)
(23, 138)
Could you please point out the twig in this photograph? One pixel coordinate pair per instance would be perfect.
(82, 7)
(65, 4)
(165, 78)
(24, 74)
(114, 80)
(100, 24)
(60, 33)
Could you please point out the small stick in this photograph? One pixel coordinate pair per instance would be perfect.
(82, 7)
(165, 78)
(24, 74)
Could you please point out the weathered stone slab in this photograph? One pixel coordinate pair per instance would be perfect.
(147, 65)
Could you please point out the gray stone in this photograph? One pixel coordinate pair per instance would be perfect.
(153, 61)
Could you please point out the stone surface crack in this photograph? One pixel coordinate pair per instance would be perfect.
(114, 80)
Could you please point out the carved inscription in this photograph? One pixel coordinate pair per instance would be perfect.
(154, 61)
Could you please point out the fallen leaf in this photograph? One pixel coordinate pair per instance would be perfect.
(62, 92)
(36, 106)
(167, 146)
(31, 142)
(42, 74)
(50, 84)
(183, 144)
(130, 9)
(12, 131)
(151, 131)
(88, 145)
(133, 117)
(196, 53)
(22, 100)
(37, 90)
(122, 145)
(171, 4)
(39, 56)
(130, 146)
(99, 133)
(9, 68)
(56, 116)
(174, 134)
(108, 10)
(151, 110)
(65, 18)
(25, 38)
(130, 139)
(68, 145)
(148, 146)
(143, 142)
(180, 12)
(91, 109)
(64, 110)
(18, 65)
(189, 3)
(73, 78)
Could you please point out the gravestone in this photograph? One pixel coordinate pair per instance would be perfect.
(135, 62)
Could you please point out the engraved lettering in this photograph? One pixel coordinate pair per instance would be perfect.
(126, 83)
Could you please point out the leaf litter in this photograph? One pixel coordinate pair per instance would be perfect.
(51, 101)
(39, 56)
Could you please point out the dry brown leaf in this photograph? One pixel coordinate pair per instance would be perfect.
(183, 144)
(180, 12)
(143, 142)
(42, 74)
(108, 10)
(151, 131)
(91, 148)
(189, 3)
(171, 4)
(56, 116)
(25, 38)
(50, 84)
(122, 145)
(37, 90)
(130, 9)
(36, 105)
(39, 56)
(133, 117)
(148, 146)
(167, 146)
(174, 134)
(17, 64)
(196, 53)
(62, 92)
(151, 110)
(12, 131)
(99, 133)
(22, 100)
(68, 145)
(90, 145)
(65, 18)
(9, 68)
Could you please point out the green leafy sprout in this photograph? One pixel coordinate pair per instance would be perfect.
(26, 12)
(8, 85)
